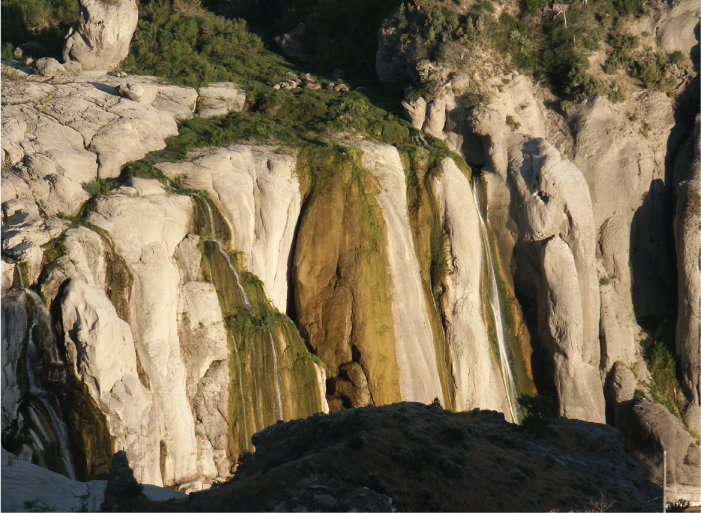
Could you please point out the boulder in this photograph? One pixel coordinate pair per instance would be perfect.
(652, 430)
(219, 99)
(292, 45)
(49, 67)
(100, 39)
(132, 91)
(30, 48)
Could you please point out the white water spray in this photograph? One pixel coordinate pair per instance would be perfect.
(495, 305)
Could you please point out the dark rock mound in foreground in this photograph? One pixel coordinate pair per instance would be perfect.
(413, 457)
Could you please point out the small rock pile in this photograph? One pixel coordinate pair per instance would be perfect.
(306, 81)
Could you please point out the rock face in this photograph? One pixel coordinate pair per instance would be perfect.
(478, 380)
(100, 39)
(145, 232)
(258, 194)
(556, 226)
(630, 221)
(652, 430)
(687, 178)
(100, 347)
(416, 355)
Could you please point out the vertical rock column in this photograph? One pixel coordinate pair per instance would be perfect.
(100, 38)
(416, 355)
(478, 380)
(556, 222)
(146, 232)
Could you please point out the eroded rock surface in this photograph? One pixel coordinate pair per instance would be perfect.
(478, 380)
(100, 39)
(416, 354)
(555, 219)
(100, 346)
(258, 193)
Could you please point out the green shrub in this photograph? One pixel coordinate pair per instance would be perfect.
(634, 7)
(677, 58)
(612, 66)
(512, 122)
(44, 21)
(101, 186)
(532, 7)
(539, 409)
(664, 386)
(201, 49)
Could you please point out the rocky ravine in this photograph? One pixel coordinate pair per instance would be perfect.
(582, 205)
(153, 319)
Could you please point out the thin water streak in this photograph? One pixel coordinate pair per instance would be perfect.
(277, 379)
(495, 305)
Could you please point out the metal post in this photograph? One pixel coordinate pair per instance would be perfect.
(664, 482)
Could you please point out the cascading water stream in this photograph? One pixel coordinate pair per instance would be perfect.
(237, 278)
(278, 391)
(495, 305)
(47, 399)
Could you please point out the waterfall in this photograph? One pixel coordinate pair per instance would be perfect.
(277, 379)
(237, 278)
(239, 378)
(495, 305)
(48, 400)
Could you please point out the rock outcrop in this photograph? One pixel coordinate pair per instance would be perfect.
(100, 347)
(652, 430)
(145, 232)
(100, 39)
(556, 228)
(478, 380)
(687, 182)
(416, 354)
(258, 193)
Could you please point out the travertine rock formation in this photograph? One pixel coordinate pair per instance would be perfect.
(555, 221)
(100, 346)
(416, 355)
(100, 39)
(478, 380)
(258, 194)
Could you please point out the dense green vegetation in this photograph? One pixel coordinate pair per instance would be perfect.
(44, 21)
(537, 42)
(339, 34)
(188, 45)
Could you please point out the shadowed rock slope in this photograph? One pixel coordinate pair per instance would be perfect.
(413, 457)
